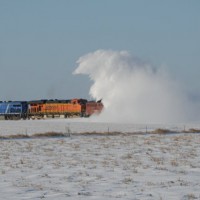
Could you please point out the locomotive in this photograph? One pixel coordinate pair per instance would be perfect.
(39, 109)
(14, 109)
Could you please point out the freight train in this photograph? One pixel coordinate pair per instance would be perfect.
(49, 108)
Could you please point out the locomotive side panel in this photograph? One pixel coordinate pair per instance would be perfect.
(62, 108)
(54, 108)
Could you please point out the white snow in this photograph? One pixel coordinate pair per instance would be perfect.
(127, 166)
(79, 125)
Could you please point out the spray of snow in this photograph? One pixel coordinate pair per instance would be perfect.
(133, 91)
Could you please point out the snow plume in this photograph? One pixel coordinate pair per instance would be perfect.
(132, 90)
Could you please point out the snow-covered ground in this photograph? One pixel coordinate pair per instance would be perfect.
(79, 125)
(127, 166)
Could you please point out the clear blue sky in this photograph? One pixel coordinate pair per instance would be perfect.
(40, 41)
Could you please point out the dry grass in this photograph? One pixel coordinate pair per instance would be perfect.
(168, 131)
(100, 133)
(49, 134)
(18, 136)
(192, 130)
(94, 133)
(162, 131)
(36, 135)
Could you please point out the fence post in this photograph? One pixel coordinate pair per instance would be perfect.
(67, 130)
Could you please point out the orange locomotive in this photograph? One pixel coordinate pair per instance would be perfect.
(53, 108)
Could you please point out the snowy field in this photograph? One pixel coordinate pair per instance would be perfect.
(80, 125)
(131, 166)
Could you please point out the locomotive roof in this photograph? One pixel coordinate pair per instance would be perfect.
(48, 101)
(13, 101)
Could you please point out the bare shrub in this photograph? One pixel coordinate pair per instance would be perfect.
(76, 146)
(161, 168)
(174, 163)
(190, 196)
(127, 156)
(177, 138)
(127, 180)
(157, 160)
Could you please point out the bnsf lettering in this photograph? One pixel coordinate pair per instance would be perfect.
(50, 107)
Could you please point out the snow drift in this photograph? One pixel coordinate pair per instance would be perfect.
(133, 91)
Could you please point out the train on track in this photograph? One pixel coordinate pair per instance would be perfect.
(40, 109)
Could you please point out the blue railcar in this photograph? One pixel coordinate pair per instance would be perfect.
(14, 109)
